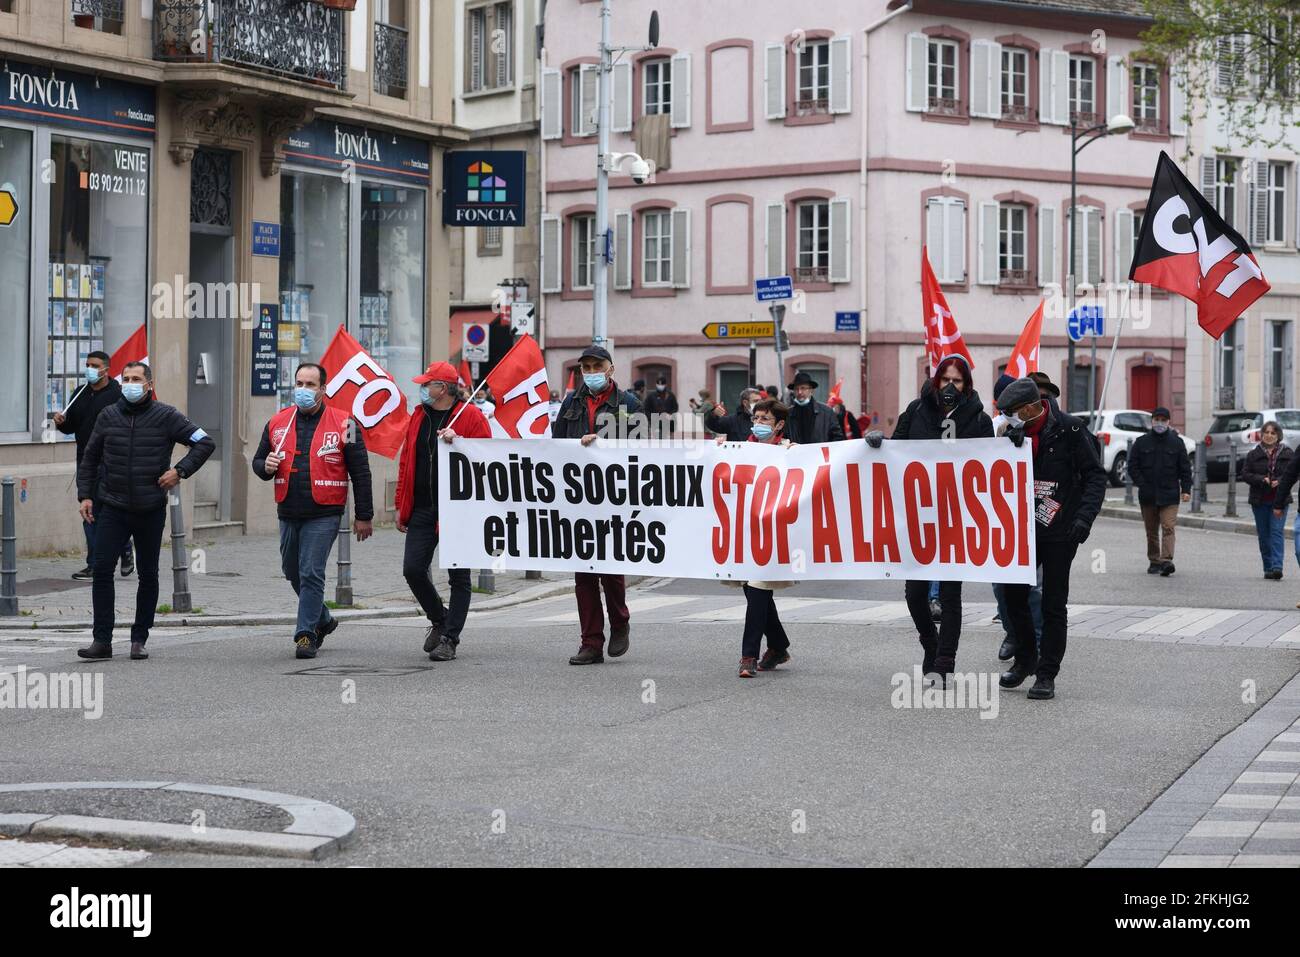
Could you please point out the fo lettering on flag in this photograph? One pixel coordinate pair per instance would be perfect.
(522, 392)
(1187, 248)
(359, 386)
(942, 337)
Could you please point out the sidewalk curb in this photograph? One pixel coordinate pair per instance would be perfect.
(535, 593)
(1206, 523)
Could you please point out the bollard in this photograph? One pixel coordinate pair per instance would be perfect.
(8, 551)
(1128, 476)
(1198, 478)
(181, 599)
(343, 587)
(1231, 510)
(487, 581)
(533, 575)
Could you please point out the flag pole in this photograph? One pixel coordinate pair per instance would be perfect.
(1110, 363)
(464, 404)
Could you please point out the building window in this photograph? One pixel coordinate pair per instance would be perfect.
(1226, 369)
(1146, 97)
(489, 47)
(1279, 364)
(391, 326)
(102, 15)
(945, 237)
(1013, 245)
(1088, 244)
(391, 42)
(582, 100)
(657, 87)
(657, 248)
(15, 297)
(941, 77)
(489, 240)
(1015, 84)
(814, 241)
(814, 78)
(583, 229)
(1083, 90)
(1275, 231)
(1225, 189)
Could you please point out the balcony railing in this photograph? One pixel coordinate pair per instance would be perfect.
(1017, 113)
(103, 15)
(1147, 124)
(810, 274)
(390, 60)
(1227, 397)
(811, 106)
(946, 106)
(1016, 277)
(283, 37)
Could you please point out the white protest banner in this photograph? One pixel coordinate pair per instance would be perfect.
(955, 510)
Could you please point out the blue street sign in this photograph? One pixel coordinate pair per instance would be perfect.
(848, 321)
(1085, 321)
(773, 287)
(266, 239)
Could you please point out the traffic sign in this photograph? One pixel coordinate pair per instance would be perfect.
(474, 346)
(523, 319)
(773, 287)
(1086, 320)
(739, 330)
(8, 207)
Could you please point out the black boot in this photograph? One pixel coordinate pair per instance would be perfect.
(1015, 676)
(944, 665)
(1043, 688)
(931, 647)
(96, 649)
(1007, 650)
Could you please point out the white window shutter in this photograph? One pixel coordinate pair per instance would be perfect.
(1045, 114)
(841, 240)
(1060, 87)
(552, 105)
(987, 272)
(935, 210)
(1117, 87)
(918, 52)
(1047, 245)
(955, 240)
(995, 79)
(681, 242)
(774, 239)
(985, 79)
(681, 105)
(1207, 180)
(1092, 271)
(584, 124)
(1177, 101)
(622, 250)
(1259, 203)
(551, 264)
(774, 80)
(1123, 244)
(841, 65)
(621, 111)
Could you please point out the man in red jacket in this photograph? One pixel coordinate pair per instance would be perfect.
(443, 415)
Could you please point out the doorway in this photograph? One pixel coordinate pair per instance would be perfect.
(1144, 390)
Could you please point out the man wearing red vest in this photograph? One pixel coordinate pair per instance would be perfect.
(311, 450)
(440, 414)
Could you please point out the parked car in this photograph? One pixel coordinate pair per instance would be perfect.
(1114, 428)
(1243, 429)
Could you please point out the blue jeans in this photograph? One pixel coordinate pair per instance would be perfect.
(934, 591)
(1271, 530)
(305, 546)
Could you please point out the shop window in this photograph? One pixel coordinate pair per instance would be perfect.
(15, 287)
(391, 321)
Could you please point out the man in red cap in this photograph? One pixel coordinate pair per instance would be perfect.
(440, 413)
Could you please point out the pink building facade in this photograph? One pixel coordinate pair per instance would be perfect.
(801, 144)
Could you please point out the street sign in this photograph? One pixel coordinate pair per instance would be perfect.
(266, 239)
(1087, 320)
(523, 318)
(739, 330)
(773, 287)
(848, 321)
(474, 345)
(8, 207)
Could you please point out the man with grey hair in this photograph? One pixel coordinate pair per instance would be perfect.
(736, 426)
(122, 484)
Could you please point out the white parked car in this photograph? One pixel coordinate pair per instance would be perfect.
(1114, 429)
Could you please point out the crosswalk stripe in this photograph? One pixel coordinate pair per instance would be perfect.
(635, 605)
(737, 612)
(1186, 618)
(883, 611)
(1205, 624)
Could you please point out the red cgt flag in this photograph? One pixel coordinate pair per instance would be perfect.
(1024, 357)
(522, 392)
(359, 386)
(942, 337)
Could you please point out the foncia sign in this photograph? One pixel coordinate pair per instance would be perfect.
(483, 188)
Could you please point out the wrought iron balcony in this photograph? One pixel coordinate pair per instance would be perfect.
(283, 37)
(946, 106)
(1016, 277)
(390, 59)
(103, 15)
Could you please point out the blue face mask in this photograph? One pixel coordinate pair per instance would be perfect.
(425, 398)
(133, 391)
(595, 381)
(799, 401)
(92, 374)
(304, 399)
(762, 431)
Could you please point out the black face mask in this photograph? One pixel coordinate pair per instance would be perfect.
(948, 396)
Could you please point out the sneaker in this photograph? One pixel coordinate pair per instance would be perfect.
(1167, 569)
(128, 565)
(618, 640)
(771, 659)
(587, 655)
(305, 646)
(87, 574)
(748, 667)
(323, 633)
(432, 637)
(444, 651)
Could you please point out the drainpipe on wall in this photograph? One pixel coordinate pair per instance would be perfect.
(862, 188)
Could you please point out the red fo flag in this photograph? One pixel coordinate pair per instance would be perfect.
(1024, 357)
(360, 387)
(522, 392)
(135, 349)
(1187, 248)
(942, 337)
(466, 377)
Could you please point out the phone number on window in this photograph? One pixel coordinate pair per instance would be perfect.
(121, 185)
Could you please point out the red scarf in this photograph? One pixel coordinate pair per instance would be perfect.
(1035, 428)
(594, 402)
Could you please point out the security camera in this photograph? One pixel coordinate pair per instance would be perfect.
(640, 171)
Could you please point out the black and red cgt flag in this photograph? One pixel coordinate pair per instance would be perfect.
(1187, 248)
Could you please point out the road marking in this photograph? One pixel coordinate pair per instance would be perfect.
(1205, 624)
(884, 611)
(636, 605)
(737, 612)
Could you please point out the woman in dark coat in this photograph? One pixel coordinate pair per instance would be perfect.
(1264, 471)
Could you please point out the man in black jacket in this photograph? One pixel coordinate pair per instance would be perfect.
(312, 451)
(947, 408)
(1069, 488)
(736, 426)
(598, 406)
(810, 422)
(122, 484)
(661, 402)
(1163, 476)
(97, 394)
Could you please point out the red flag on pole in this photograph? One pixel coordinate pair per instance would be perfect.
(835, 393)
(522, 392)
(466, 377)
(359, 386)
(942, 337)
(1024, 357)
(135, 349)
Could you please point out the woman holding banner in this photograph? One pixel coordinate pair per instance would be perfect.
(948, 408)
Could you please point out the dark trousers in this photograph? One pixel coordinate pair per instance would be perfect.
(761, 619)
(421, 540)
(949, 631)
(591, 617)
(114, 528)
(89, 529)
(1056, 559)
